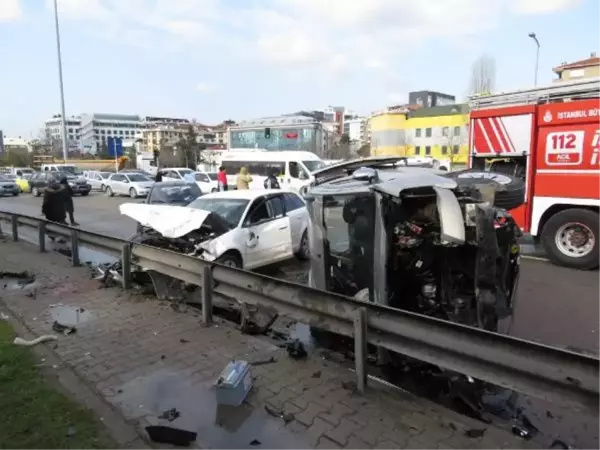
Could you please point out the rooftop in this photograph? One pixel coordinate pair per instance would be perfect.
(593, 60)
(275, 121)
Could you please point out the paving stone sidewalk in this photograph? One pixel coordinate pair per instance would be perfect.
(143, 357)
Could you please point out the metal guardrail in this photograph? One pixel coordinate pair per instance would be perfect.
(560, 376)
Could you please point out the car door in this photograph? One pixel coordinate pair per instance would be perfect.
(267, 231)
(203, 182)
(118, 184)
(295, 209)
(171, 175)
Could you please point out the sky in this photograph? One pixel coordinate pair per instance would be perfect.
(213, 60)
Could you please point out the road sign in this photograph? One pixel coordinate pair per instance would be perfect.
(115, 146)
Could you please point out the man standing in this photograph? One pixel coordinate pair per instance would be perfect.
(68, 193)
(243, 179)
(53, 206)
(271, 181)
(222, 179)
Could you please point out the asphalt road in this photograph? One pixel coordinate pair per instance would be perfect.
(555, 305)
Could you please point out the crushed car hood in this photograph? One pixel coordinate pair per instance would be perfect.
(170, 221)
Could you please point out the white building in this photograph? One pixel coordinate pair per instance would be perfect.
(53, 129)
(356, 130)
(96, 128)
(16, 144)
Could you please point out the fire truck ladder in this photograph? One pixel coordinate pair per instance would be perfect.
(558, 92)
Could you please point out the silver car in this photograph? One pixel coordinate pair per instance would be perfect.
(8, 187)
(96, 179)
(132, 184)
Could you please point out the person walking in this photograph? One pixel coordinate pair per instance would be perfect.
(222, 179)
(271, 181)
(68, 200)
(243, 179)
(53, 206)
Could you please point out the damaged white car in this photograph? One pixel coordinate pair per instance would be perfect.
(243, 229)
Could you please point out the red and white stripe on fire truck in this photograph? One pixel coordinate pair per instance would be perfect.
(501, 135)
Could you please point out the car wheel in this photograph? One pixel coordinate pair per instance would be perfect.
(230, 260)
(84, 194)
(102, 188)
(510, 191)
(133, 193)
(570, 238)
(304, 250)
(109, 192)
(35, 192)
(15, 194)
(214, 190)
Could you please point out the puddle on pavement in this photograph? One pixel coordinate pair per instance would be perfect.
(217, 426)
(16, 280)
(69, 315)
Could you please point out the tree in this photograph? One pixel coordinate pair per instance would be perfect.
(344, 139)
(483, 75)
(364, 150)
(103, 152)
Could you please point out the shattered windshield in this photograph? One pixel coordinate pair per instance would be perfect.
(349, 233)
(229, 209)
(178, 195)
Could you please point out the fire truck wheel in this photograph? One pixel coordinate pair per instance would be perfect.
(570, 238)
(510, 192)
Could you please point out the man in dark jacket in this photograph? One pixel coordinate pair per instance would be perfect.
(271, 181)
(53, 206)
(68, 199)
(159, 176)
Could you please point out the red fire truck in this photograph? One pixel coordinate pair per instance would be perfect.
(549, 138)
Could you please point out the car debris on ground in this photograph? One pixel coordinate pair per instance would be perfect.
(36, 341)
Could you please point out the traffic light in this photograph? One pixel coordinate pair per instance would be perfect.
(267, 133)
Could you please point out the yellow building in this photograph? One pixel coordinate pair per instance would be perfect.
(439, 131)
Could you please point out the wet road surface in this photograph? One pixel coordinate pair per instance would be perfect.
(555, 306)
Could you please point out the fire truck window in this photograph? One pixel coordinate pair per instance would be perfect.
(428, 150)
(427, 132)
(417, 150)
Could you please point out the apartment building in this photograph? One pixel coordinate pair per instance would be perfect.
(96, 128)
(157, 136)
(578, 70)
(53, 130)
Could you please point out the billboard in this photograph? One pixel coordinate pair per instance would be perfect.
(115, 146)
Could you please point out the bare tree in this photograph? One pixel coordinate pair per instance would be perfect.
(483, 75)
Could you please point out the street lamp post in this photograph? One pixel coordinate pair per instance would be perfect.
(537, 56)
(60, 81)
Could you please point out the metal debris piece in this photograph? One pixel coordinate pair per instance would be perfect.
(296, 350)
(39, 340)
(64, 329)
(170, 414)
(263, 362)
(257, 319)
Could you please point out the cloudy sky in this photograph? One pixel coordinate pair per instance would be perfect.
(219, 59)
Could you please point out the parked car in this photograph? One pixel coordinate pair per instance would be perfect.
(96, 179)
(132, 184)
(8, 186)
(175, 173)
(40, 180)
(245, 229)
(18, 180)
(207, 181)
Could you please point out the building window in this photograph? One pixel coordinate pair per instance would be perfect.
(418, 132)
(445, 131)
(444, 150)
(456, 149)
(456, 131)
(427, 132)
(417, 150)
(428, 150)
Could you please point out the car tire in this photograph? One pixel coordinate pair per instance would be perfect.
(510, 192)
(133, 193)
(304, 250)
(35, 192)
(230, 259)
(16, 194)
(213, 190)
(558, 243)
(102, 188)
(109, 192)
(85, 194)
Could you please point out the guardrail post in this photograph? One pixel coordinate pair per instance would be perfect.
(207, 291)
(126, 266)
(360, 348)
(14, 221)
(75, 248)
(42, 236)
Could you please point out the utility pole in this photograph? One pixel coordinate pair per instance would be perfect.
(537, 57)
(60, 81)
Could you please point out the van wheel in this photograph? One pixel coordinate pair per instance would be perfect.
(109, 191)
(570, 238)
(304, 250)
(133, 193)
(102, 188)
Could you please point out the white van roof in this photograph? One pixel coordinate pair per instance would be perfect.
(292, 155)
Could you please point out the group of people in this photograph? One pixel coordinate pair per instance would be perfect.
(243, 179)
(58, 202)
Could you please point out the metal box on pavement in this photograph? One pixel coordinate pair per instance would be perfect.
(234, 383)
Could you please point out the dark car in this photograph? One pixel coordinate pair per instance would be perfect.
(173, 193)
(40, 181)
